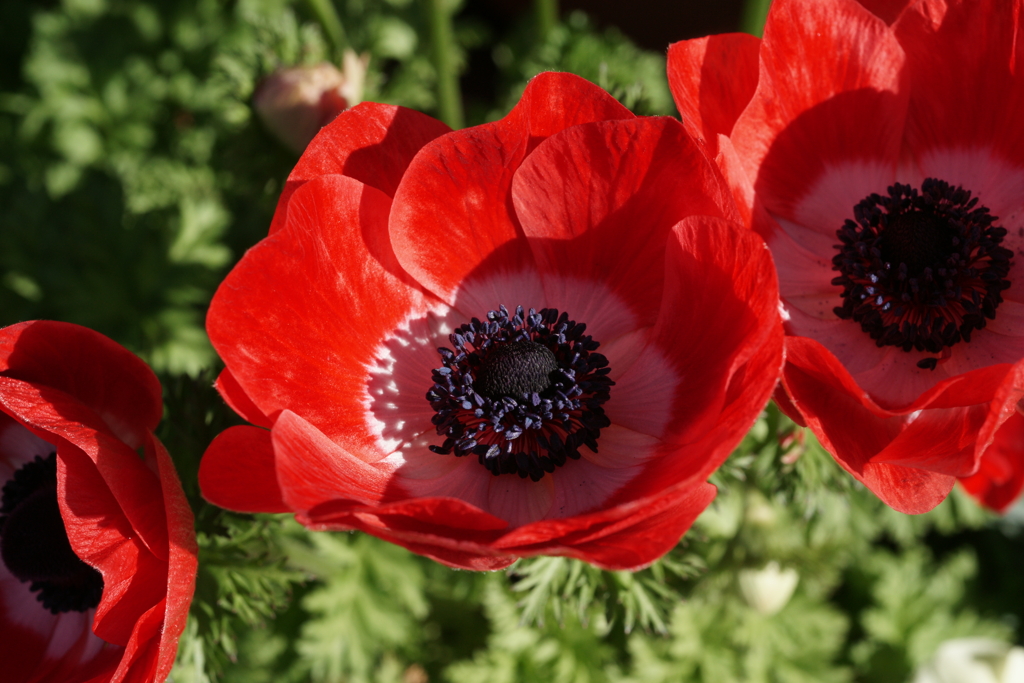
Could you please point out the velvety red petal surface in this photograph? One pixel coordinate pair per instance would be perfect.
(853, 435)
(1000, 476)
(703, 440)
(910, 459)
(313, 470)
(138, 665)
(597, 202)
(299, 320)
(712, 80)
(453, 211)
(234, 395)
(107, 378)
(966, 63)
(237, 472)
(182, 562)
(886, 10)
(133, 578)
(750, 386)
(831, 90)
(626, 538)
(785, 404)
(370, 142)
(719, 308)
(445, 529)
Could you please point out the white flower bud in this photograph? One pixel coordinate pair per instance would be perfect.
(973, 660)
(768, 590)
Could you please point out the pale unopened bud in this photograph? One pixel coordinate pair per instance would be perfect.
(768, 590)
(759, 512)
(295, 103)
(973, 660)
(353, 68)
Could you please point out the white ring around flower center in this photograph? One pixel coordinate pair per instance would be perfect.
(398, 414)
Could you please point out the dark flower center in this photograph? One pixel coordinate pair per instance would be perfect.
(34, 543)
(921, 269)
(522, 392)
(516, 369)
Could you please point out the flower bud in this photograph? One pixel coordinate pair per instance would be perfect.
(768, 590)
(295, 103)
(973, 660)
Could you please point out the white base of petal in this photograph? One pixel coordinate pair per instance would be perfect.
(398, 412)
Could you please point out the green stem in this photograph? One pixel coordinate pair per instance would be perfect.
(754, 14)
(547, 16)
(449, 98)
(331, 23)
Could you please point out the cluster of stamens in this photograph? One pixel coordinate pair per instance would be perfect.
(921, 270)
(34, 542)
(523, 392)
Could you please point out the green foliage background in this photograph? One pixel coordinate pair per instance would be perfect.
(133, 173)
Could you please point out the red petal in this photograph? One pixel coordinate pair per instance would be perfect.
(446, 520)
(234, 395)
(313, 470)
(712, 80)
(626, 538)
(830, 91)
(53, 415)
(553, 102)
(943, 441)
(886, 10)
(113, 382)
(753, 213)
(597, 202)
(785, 404)
(455, 558)
(720, 307)
(139, 662)
(453, 210)
(445, 529)
(370, 142)
(1000, 477)
(315, 301)
(237, 472)
(459, 535)
(181, 562)
(133, 579)
(701, 446)
(966, 62)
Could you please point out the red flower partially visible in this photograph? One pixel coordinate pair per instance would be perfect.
(527, 434)
(98, 549)
(1000, 477)
(878, 149)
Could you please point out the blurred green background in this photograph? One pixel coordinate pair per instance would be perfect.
(134, 172)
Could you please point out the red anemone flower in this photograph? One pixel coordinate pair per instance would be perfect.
(880, 153)
(98, 548)
(539, 335)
